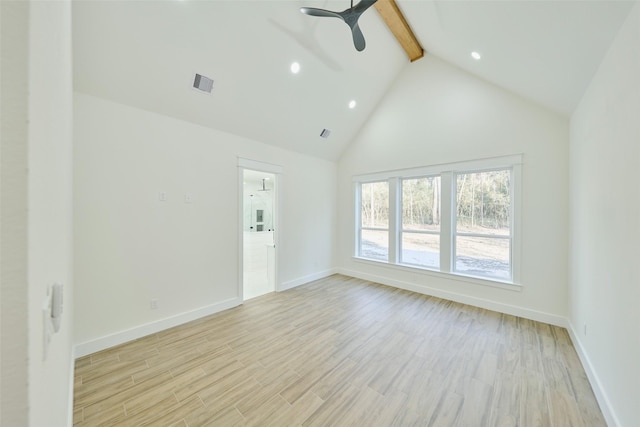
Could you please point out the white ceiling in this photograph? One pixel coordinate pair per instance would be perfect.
(145, 53)
(544, 50)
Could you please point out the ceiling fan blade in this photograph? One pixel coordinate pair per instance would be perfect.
(363, 5)
(350, 16)
(358, 38)
(312, 11)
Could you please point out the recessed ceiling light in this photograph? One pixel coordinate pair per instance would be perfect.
(475, 55)
(295, 68)
(352, 104)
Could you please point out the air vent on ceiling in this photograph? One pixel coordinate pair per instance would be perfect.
(325, 133)
(203, 83)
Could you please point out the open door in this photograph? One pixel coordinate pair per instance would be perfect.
(259, 226)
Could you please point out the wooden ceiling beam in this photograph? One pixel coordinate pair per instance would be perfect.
(393, 17)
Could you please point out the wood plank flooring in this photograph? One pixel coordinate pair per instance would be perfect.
(341, 352)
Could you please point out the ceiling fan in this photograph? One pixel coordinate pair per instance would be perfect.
(350, 16)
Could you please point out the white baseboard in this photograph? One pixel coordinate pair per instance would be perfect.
(122, 337)
(306, 279)
(604, 402)
(526, 313)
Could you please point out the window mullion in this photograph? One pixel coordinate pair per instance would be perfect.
(447, 221)
(516, 205)
(395, 219)
(358, 217)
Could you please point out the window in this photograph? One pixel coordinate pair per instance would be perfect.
(459, 218)
(483, 224)
(374, 220)
(420, 240)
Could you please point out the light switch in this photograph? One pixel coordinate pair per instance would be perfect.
(188, 198)
(162, 196)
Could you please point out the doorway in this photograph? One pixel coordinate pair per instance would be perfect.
(259, 210)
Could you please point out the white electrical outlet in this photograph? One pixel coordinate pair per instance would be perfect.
(188, 198)
(162, 196)
(154, 303)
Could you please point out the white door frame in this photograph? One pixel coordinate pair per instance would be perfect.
(277, 171)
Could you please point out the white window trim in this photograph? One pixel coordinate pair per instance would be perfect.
(476, 280)
(447, 173)
(358, 217)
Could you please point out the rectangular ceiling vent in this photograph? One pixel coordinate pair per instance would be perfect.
(203, 83)
(325, 133)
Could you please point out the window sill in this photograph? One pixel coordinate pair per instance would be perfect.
(494, 283)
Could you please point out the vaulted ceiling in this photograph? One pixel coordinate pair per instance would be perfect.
(145, 54)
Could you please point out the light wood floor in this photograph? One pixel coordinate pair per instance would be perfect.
(341, 351)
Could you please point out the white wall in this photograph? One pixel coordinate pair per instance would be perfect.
(38, 113)
(605, 227)
(436, 113)
(50, 208)
(130, 247)
(14, 69)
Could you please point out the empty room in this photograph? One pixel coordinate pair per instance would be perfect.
(320, 213)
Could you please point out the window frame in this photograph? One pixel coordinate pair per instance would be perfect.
(448, 173)
(456, 234)
(402, 231)
(359, 226)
